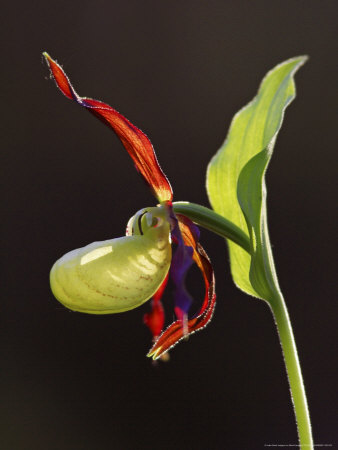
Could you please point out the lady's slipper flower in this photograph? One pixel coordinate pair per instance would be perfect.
(121, 274)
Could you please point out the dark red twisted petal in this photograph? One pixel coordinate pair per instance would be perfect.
(134, 140)
(176, 332)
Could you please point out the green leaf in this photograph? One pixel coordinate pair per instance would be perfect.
(236, 183)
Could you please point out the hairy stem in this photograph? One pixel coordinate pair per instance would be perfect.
(294, 372)
(212, 221)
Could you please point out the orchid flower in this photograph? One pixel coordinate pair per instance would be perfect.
(121, 274)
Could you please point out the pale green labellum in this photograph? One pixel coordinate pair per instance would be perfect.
(118, 274)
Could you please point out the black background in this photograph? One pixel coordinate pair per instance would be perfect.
(179, 70)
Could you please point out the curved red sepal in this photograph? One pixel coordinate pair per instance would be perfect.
(134, 140)
(177, 330)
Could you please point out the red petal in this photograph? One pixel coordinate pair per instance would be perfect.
(176, 332)
(155, 319)
(134, 140)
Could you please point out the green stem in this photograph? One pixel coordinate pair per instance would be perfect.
(294, 372)
(207, 218)
(212, 221)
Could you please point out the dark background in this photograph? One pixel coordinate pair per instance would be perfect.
(179, 70)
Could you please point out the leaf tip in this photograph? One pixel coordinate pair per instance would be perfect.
(302, 59)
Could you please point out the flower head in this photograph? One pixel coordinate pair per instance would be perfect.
(121, 274)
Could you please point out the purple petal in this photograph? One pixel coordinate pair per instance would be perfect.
(180, 264)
